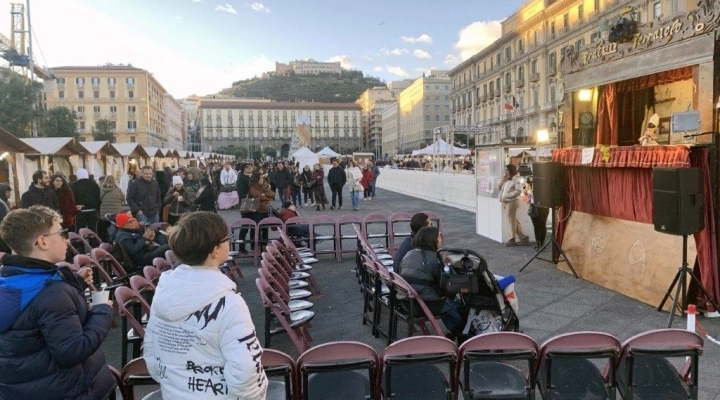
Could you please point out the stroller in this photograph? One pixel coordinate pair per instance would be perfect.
(490, 307)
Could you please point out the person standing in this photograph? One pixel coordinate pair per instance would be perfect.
(111, 199)
(269, 173)
(243, 190)
(68, 208)
(144, 198)
(261, 191)
(354, 175)
(296, 186)
(510, 190)
(282, 181)
(50, 338)
(191, 185)
(40, 193)
(308, 185)
(376, 173)
(218, 348)
(336, 180)
(87, 197)
(205, 198)
(367, 177)
(318, 177)
(176, 198)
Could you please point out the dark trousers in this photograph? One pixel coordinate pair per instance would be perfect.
(296, 195)
(88, 219)
(540, 224)
(308, 193)
(244, 232)
(257, 217)
(336, 191)
(103, 226)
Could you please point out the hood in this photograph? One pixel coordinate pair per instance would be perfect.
(82, 173)
(185, 290)
(3, 191)
(105, 189)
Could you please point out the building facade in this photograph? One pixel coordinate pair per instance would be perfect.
(390, 127)
(423, 106)
(256, 126)
(175, 128)
(131, 98)
(309, 67)
(372, 101)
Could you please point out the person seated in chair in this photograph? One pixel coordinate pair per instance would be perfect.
(288, 211)
(142, 244)
(422, 269)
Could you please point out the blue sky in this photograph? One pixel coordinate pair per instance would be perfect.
(202, 46)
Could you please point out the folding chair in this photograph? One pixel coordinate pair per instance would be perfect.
(295, 324)
(375, 226)
(410, 368)
(399, 226)
(301, 259)
(486, 370)
(90, 237)
(170, 256)
(415, 305)
(280, 272)
(237, 243)
(109, 262)
(152, 274)
(269, 224)
(390, 302)
(375, 295)
(116, 374)
(160, 226)
(344, 233)
(644, 371)
(79, 243)
(107, 247)
(294, 222)
(145, 288)
(162, 264)
(99, 273)
(287, 264)
(135, 373)
(280, 285)
(323, 228)
(565, 369)
(130, 306)
(277, 363)
(332, 371)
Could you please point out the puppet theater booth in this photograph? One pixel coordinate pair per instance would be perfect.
(606, 226)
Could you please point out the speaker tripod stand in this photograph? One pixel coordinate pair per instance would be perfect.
(556, 246)
(680, 285)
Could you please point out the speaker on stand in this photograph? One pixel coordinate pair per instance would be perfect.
(549, 191)
(679, 209)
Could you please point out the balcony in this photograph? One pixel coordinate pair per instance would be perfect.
(534, 77)
(552, 70)
(507, 89)
(483, 98)
(520, 83)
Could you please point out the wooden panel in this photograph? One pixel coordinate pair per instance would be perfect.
(624, 256)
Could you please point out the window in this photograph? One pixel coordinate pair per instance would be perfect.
(132, 126)
(520, 47)
(521, 74)
(447, 87)
(566, 21)
(96, 110)
(80, 81)
(113, 126)
(447, 117)
(581, 11)
(533, 66)
(81, 126)
(131, 110)
(427, 117)
(635, 16)
(96, 94)
(595, 37)
(81, 110)
(132, 139)
(437, 108)
(507, 81)
(61, 94)
(241, 124)
(535, 38)
(580, 43)
(437, 97)
(437, 117)
(552, 29)
(552, 61)
(95, 82)
(497, 57)
(657, 10)
(131, 95)
(113, 110)
(427, 107)
(60, 81)
(81, 95)
(111, 82)
(130, 81)
(597, 5)
(508, 53)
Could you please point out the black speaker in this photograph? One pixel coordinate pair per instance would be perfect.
(678, 201)
(549, 184)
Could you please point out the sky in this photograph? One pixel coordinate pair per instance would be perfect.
(202, 46)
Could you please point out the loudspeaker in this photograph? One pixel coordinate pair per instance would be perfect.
(678, 201)
(549, 184)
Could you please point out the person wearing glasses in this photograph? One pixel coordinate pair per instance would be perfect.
(142, 244)
(50, 337)
(200, 339)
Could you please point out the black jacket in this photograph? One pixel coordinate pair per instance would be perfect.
(50, 340)
(242, 185)
(423, 274)
(87, 194)
(336, 177)
(282, 178)
(145, 196)
(205, 200)
(43, 197)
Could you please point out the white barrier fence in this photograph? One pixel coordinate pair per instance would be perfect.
(454, 190)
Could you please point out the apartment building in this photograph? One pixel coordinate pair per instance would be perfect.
(372, 101)
(422, 106)
(309, 67)
(131, 98)
(259, 125)
(174, 116)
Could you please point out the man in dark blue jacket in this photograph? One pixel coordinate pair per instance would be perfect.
(49, 338)
(40, 193)
(144, 197)
(417, 222)
(140, 243)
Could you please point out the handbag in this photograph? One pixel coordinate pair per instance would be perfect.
(533, 211)
(249, 204)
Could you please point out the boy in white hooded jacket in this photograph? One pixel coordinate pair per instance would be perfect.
(200, 341)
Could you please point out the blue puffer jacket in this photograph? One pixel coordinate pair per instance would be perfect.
(49, 338)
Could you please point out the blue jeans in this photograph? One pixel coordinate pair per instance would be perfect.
(296, 195)
(281, 195)
(355, 197)
(144, 219)
(372, 189)
(451, 316)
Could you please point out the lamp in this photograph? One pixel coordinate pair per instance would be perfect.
(585, 95)
(542, 135)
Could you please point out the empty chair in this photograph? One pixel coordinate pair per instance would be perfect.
(79, 243)
(162, 264)
(273, 226)
(487, 370)
(323, 229)
(107, 247)
(565, 369)
(144, 288)
(295, 324)
(135, 373)
(152, 274)
(280, 272)
(90, 237)
(280, 285)
(644, 371)
(399, 227)
(338, 370)
(347, 236)
(287, 264)
(294, 255)
(411, 368)
(170, 256)
(239, 245)
(99, 272)
(413, 311)
(109, 262)
(279, 364)
(375, 226)
(130, 306)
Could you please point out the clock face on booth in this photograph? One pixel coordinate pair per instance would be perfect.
(586, 118)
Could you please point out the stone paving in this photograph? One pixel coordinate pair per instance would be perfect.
(551, 302)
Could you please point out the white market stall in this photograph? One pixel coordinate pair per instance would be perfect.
(305, 156)
(98, 158)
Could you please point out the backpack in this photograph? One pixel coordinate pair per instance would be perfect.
(118, 252)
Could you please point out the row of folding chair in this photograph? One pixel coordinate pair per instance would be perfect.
(327, 235)
(507, 365)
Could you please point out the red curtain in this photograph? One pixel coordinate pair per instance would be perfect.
(607, 127)
(706, 239)
(659, 78)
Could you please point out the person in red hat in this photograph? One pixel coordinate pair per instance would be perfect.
(141, 244)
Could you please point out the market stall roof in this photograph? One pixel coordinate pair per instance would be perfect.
(62, 146)
(183, 154)
(154, 151)
(11, 143)
(516, 151)
(303, 152)
(327, 151)
(101, 146)
(130, 150)
(441, 147)
(169, 152)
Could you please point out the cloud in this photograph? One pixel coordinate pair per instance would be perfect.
(226, 8)
(345, 61)
(422, 54)
(378, 69)
(259, 7)
(477, 36)
(394, 52)
(424, 38)
(197, 1)
(399, 71)
(451, 59)
(178, 17)
(366, 58)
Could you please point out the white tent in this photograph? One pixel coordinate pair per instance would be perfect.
(305, 156)
(328, 152)
(440, 147)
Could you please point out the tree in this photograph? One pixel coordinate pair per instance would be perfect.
(17, 100)
(104, 130)
(271, 152)
(57, 122)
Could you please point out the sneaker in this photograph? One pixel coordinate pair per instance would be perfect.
(332, 207)
(355, 209)
(306, 204)
(510, 243)
(524, 241)
(340, 208)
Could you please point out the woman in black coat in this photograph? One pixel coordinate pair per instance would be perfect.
(205, 198)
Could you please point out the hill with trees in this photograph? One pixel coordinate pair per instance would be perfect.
(291, 87)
